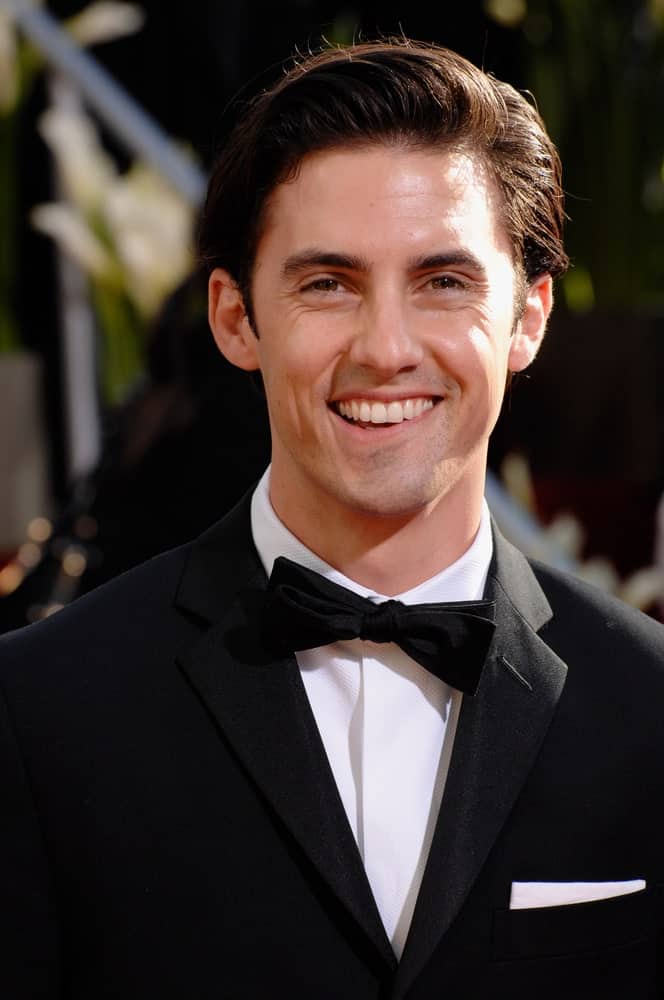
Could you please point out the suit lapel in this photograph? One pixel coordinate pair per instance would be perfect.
(262, 709)
(499, 734)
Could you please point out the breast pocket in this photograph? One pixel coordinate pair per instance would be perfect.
(554, 931)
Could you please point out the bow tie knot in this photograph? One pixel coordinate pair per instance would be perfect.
(304, 610)
(380, 622)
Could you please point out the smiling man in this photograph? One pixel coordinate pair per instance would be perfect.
(349, 743)
(386, 313)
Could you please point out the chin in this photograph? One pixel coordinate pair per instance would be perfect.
(400, 503)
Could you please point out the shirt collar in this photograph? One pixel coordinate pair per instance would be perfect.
(464, 580)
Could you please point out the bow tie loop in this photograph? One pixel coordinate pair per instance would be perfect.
(294, 617)
(304, 610)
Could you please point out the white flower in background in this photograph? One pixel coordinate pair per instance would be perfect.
(146, 225)
(69, 229)
(515, 474)
(565, 533)
(85, 169)
(601, 573)
(8, 64)
(151, 227)
(105, 21)
(643, 588)
(509, 13)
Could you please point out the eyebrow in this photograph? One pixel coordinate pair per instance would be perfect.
(455, 258)
(307, 259)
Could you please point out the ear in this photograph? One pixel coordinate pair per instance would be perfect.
(228, 321)
(530, 329)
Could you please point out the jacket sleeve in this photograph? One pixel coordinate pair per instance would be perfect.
(29, 959)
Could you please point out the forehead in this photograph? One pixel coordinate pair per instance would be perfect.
(379, 199)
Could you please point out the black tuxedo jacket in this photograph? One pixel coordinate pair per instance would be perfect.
(171, 827)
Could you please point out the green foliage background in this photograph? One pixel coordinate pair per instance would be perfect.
(597, 70)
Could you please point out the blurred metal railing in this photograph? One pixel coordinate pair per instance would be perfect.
(139, 133)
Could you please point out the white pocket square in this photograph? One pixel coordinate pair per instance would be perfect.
(527, 895)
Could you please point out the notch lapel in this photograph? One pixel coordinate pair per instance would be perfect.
(261, 707)
(499, 734)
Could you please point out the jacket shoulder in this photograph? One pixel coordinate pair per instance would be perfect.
(118, 612)
(588, 612)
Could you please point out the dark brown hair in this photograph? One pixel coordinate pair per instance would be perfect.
(393, 92)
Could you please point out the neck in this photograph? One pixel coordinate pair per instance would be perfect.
(389, 554)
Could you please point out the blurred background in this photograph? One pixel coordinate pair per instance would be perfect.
(123, 432)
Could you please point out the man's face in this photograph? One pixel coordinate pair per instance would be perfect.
(384, 297)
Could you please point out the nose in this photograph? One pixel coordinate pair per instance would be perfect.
(386, 339)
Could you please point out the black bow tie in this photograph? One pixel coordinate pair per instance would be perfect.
(304, 610)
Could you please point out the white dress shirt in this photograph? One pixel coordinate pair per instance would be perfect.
(386, 723)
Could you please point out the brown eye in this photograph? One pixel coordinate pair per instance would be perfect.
(446, 281)
(322, 285)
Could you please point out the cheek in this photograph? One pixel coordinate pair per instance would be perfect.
(290, 400)
(481, 358)
(485, 375)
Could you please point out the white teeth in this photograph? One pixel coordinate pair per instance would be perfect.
(395, 413)
(365, 412)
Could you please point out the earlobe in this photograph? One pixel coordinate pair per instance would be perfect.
(531, 327)
(228, 321)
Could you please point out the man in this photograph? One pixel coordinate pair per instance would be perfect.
(327, 786)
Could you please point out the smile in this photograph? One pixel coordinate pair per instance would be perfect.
(395, 411)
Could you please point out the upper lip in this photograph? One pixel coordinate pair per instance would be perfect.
(376, 396)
